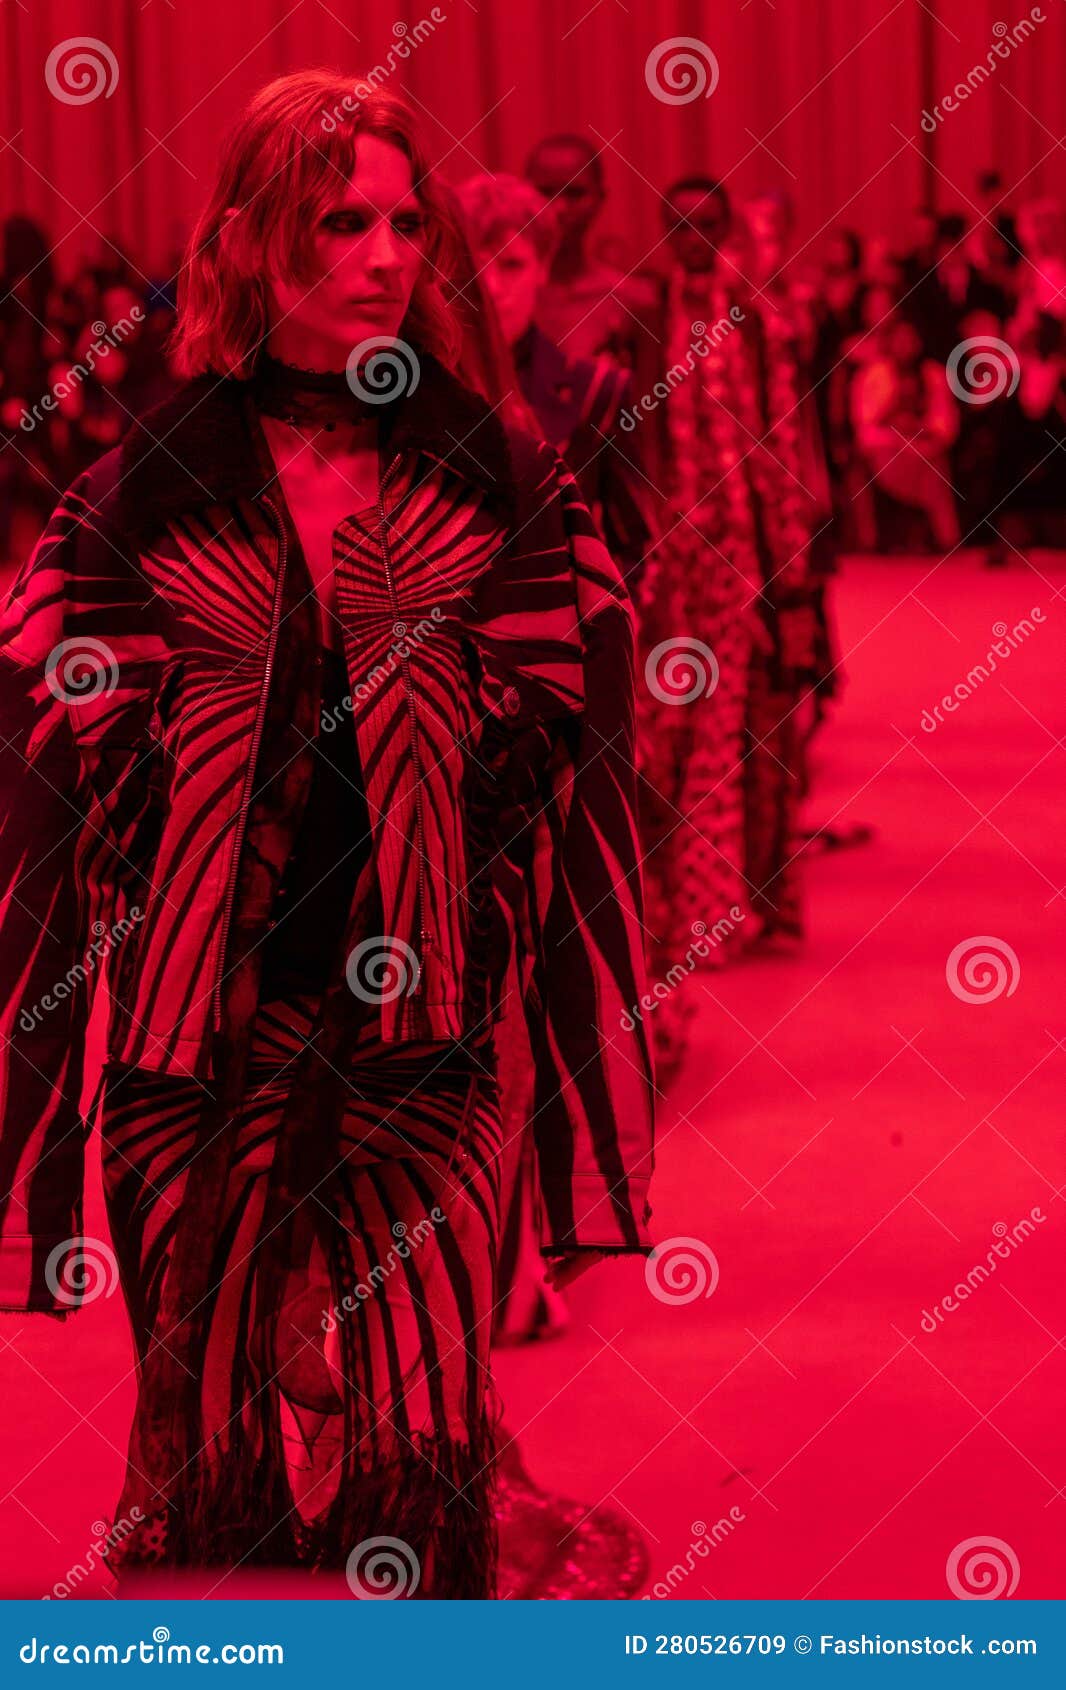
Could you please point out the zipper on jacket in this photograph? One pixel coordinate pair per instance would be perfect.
(426, 938)
(257, 735)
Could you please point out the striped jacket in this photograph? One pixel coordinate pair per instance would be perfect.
(580, 404)
(490, 648)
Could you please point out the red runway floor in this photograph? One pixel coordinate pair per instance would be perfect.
(851, 1141)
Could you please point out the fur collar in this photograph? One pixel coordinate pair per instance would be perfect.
(200, 447)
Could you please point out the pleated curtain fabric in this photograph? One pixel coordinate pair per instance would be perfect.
(822, 97)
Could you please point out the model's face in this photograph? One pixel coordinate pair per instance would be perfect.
(697, 224)
(565, 176)
(368, 249)
(514, 276)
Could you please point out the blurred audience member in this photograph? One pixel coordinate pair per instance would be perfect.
(920, 259)
(1042, 275)
(1032, 439)
(905, 422)
(79, 360)
(993, 214)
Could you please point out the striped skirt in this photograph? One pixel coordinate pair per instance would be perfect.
(342, 1391)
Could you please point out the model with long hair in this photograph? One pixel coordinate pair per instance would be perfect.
(310, 685)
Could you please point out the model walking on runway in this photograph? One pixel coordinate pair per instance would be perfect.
(308, 685)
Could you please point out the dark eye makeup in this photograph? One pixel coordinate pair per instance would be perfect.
(351, 221)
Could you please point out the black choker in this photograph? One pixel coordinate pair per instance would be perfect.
(309, 398)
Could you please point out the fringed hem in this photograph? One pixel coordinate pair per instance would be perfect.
(229, 1510)
(422, 1524)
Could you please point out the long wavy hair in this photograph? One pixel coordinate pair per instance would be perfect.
(290, 155)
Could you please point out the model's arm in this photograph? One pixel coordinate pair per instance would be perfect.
(593, 1102)
(43, 978)
(628, 496)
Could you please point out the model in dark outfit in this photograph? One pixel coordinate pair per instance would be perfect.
(327, 1166)
(301, 1138)
(401, 1217)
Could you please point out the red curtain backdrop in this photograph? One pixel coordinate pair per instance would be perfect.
(824, 97)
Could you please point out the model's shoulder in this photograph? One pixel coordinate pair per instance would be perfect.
(534, 460)
(92, 497)
(101, 483)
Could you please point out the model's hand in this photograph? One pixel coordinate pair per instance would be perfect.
(565, 1269)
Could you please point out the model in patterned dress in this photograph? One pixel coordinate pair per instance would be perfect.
(323, 534)
(724, 607)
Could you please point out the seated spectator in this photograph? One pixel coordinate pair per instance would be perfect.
(979, 455)
(994, 216)
(905, 422)
(1032, 439)
(994, 260)
(921, 259)
(1042, 278)
(951, 291)
(839, 320)
(843, 285)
